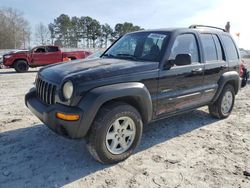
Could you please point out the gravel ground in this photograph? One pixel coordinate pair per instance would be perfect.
(190, 150)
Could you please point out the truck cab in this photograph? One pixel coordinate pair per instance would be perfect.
(44, 55)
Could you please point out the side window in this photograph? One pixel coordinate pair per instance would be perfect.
(220, 53)
(230, 48)
(209, 47)
(40, 50)
(185, 44)
(52, 49)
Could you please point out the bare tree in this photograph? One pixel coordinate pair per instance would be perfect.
(42, 34)
(14, 30)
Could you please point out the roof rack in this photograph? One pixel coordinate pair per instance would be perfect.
(196, 26)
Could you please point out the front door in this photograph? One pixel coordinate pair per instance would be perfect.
(38, 56)
(180, 87)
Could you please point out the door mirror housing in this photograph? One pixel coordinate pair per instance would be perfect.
(182, 59)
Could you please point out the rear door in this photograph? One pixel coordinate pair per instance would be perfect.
(180, 87)
(231, 51)
(215, 64)
(53, 55)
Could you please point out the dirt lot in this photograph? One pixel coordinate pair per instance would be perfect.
(191, 150)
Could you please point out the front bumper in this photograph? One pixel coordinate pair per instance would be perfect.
(7, 62)
(47, 114)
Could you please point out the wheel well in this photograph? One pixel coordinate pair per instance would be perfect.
(18, 60)
(72, 58)
(234, 84)
(131, 101)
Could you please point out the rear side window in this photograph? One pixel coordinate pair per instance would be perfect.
(52, 49)
(185, 44)
(210, 51)
(230, 48)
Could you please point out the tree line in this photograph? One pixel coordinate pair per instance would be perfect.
(88, 32)
(14, 29)
(64, 31)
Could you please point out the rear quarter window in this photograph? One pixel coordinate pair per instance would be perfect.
(230, 48)
(52, 49)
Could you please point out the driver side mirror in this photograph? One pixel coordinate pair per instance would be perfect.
(182, 59)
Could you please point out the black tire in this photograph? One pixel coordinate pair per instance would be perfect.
(106, 117)
(216, 110)
(21, 66)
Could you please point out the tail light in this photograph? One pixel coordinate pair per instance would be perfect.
(242, 67)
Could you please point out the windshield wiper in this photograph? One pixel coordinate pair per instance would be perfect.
(129, 56)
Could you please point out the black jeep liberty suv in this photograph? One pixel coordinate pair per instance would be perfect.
(144, 76)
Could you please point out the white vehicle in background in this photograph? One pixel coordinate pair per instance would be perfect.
(1, 62)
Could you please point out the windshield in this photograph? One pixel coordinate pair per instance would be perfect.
(141, 46)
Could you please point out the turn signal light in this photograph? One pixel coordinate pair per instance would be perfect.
(68, 117)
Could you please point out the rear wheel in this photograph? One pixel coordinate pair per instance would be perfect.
(224, 104)
(21, 66)
(115, 133)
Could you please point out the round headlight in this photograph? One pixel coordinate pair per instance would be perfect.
(68, 90)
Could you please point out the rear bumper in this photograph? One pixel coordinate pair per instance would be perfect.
(47, 114)
(244, 78)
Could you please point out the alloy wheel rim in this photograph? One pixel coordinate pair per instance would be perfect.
(227, 102)
(21, 67)
(120, 135)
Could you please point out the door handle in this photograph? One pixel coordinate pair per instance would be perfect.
(197, 70)
(223, 66)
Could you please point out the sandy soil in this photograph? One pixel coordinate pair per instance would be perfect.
(191, 150)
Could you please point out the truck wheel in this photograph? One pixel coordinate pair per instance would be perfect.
(115, 133)
(224, 104)
(21, 66)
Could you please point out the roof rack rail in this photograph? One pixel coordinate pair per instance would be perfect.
(196, 26)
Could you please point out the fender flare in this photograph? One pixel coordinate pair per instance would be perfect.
(19, 59)
(231, 77)
(94, 99)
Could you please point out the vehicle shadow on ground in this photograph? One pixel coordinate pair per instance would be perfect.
(14, 72)
(37, 157)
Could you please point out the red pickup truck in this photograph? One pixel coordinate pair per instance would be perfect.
(39, 56)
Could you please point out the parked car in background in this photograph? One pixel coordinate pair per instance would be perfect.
(1, 62)
(244, 73)
(39, 56)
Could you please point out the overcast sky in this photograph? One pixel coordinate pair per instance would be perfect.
(147, 14)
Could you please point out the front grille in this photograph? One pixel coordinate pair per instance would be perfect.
(45, 91)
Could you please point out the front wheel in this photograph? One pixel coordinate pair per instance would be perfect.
(115, 133)
(224, 104)
(21, 66)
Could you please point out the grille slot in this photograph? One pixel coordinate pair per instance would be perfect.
(45, 91)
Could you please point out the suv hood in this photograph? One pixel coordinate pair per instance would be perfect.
(84, 70)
